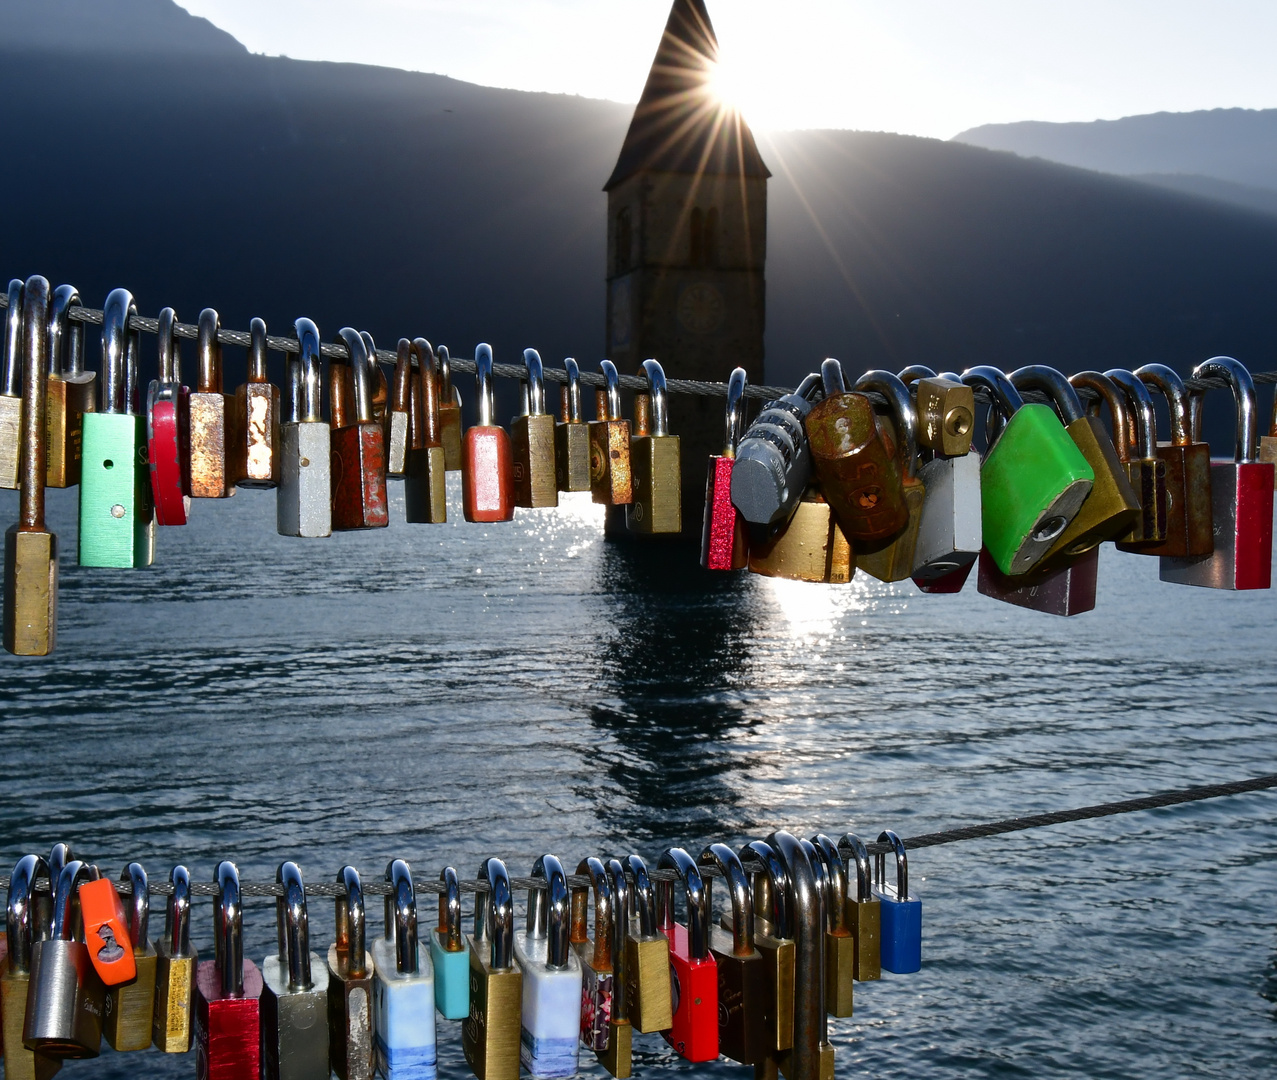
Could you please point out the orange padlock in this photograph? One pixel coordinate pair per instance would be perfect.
(106, 932)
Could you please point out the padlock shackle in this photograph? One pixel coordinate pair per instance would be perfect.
(1142, 416)
(361, 375)
(620, 930)
(450, 910)
(570, 412)
(257, 351)
(603, 918)
(373, 376)
(864, 869)
(351, 921)
(66, 898)
(822, 880)
(1246, 444)
(903, 409)
(66, 339)
(139, 909)
(775, 887)
(1166, 381)
(494, 918)
(811, 1021)
(401, 381)
(401, 915)
(660, 417)
(177, 914)
(914, 372)
(35, 401)
(483, 386)
(612, 390)
(902, 863)
(1006, 398)
(729, 864)
(1049, 381)
(292, 926)
(444, 359)
(836, 876)
(831, 378)
(426, 404)
(119, 353)
(1112, 395)
(24, 922)
(735, 411)
(643, 897)
(228, 930)
(535, 382)
(305, 376)
(209, 350)
(698, 914)
(168, 354)
(11, 371)
(549, 911)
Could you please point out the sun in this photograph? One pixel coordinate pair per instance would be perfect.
(726, 85)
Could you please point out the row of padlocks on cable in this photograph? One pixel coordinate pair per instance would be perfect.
(807, 922)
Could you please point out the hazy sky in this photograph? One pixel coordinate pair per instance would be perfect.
(925, 67)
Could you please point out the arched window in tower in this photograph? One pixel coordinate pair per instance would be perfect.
(624, 241)
(709, 241)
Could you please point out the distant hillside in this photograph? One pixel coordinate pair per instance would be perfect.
(111, 26)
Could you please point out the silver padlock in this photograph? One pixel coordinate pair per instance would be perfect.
(65, 998)
(403, 987)
(773, 464)
(294, 1005)
(552, 977)
(350, 967)
(304, 496)
(28, 922)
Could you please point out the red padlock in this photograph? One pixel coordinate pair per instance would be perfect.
(724, 544)
(693, 970)
(168, 430)
(228, 991)
(359, 446)
(487, 462)
(106, 931)
(1068, 590)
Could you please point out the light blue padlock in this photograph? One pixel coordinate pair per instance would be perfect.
(901, 913)
(551, 1034)
(403, 987)
(448, 952)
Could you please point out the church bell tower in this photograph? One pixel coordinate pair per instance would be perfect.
(687, 239)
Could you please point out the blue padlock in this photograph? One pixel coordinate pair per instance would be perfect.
(448, 952)
(901, 913)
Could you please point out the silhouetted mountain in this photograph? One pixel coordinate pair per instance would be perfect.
(1208, 187)
(111, 26)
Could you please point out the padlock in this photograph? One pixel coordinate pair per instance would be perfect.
(30, 548)
(490, 1035)
(552, 979)
(1146, 471)
(448, 953)
(647, 955)
(864, 911)
(1188, 471)
(107, 934)
(840, 946)
(598, 979)
(350, 977)
(425, 480)
(773, 462)
(618, 1056)
(117, 517)
(168, 429)
(693, 970)
(1112, 506)
(487, 464)
(571, 435)
(892, 558)
(449, 412)
(743, 991)
(72, 390)
(303, 500)
(255, 456)
(1033, 479)
(532, 441)
(175, 964)
(403, 987)
(358, 457)
(854, 458)
(945, 408)
(811, 546)
(11, 390)
(1241, 499)
(724, 543)
(27, 923)
(380, 389)
(130, 1006)
(1053, 589)
(611, 478)
(399, 425)
(216, 430)
(228, 992)
(901, 912)
(774, 940)
(655, 460)
(294, 1005)
(65, 997)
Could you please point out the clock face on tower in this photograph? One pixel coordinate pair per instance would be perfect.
(701, 308)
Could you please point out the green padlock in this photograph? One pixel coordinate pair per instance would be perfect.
(1033, 480)
(117, 518)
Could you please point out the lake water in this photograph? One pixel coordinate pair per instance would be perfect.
(445, 693)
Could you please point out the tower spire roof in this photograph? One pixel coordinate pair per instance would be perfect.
(679, 124)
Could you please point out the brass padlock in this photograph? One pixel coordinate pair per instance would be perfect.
(946, 410)
(490, 1035)
(1268, 443)
(72, 390)
(11, 390)
(656, 462)
(215, 427)
(773, 937)
(618, 1056)
(532, 441)
(864, 910)
(449, 412)
(811, 546)
(256, 451)
(647, 955)
(175, 964)
(611, 480)
(425, 480)
(130, 1007)
(840, 946)
(572, 435)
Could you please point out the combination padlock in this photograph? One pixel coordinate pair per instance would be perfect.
(571, 435)
(350, 968)
(490, 1035)
(840, 946)
(403, 987)
(1146, 471)
(449, 412)
(168, 429)
(551, 1013)
(864, 910)
(724, 543)
(611, 479)
(72, 390)
(532, 441)
(117, 517)
(647, 955)
(773, 462)
(294, 1005)
(130, 1006)
(215, 422)
(655, 461)
(448, 953)
(901, 913)
(598, 979)
(255, 456)
(175, 962)
(774, 939)
(487, 463)
(693, 970)
(11, 389)
(27, 923)
(358, 444)
(304, 499)
(425, 478)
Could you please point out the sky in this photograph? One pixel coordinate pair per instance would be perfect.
(921, 67)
